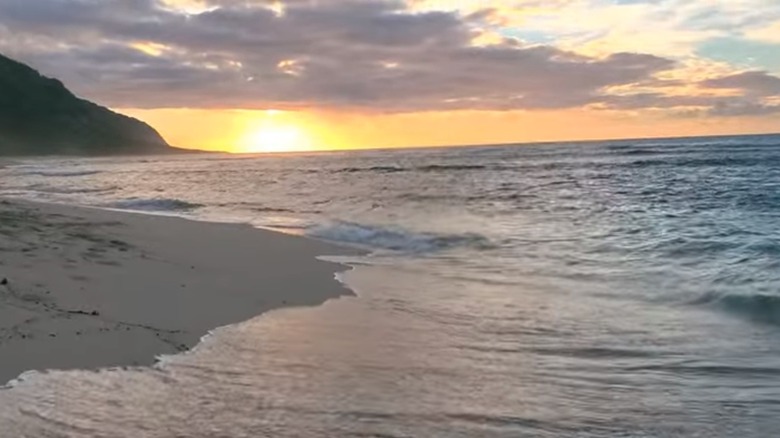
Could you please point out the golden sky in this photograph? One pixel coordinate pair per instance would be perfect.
(237, 130)
(288, 75)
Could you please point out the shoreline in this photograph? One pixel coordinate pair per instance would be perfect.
(90, 288)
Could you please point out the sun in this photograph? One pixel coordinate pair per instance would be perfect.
(276, 131)
(279, 138)
(276, 138)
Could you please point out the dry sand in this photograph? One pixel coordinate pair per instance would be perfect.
(88, 288)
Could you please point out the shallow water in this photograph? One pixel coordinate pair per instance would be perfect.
(603, 289)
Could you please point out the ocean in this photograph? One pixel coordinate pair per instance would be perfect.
(598, 289)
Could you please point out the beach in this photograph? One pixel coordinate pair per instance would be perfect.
(85, 288)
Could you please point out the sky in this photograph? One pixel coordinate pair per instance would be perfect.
(283, 75)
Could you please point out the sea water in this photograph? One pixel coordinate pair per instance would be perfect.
(625, 288)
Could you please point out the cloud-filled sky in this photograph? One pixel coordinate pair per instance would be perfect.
(665, 61)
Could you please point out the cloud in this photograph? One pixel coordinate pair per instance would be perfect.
(742, 108)
(692, 106)
(668, 28)
(752, 93)
(378, 55)
(756, 83)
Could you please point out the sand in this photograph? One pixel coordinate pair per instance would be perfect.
(87, 288)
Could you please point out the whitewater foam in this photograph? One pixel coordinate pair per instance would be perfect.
(395, 238)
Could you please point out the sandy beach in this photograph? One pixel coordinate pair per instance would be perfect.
(87, 288)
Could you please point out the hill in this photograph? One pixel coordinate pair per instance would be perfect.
(39, 116)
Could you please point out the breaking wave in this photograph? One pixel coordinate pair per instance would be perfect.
(396, 239)
(759, 307)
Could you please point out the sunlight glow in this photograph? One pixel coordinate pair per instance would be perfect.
(239, 131)
(150, 48)
(276, 136)
(291, 67)
(278, 8)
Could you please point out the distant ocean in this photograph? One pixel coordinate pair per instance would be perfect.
(622, 288)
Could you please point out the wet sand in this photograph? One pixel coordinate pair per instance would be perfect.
(87, 288)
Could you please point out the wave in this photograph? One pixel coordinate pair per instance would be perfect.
(61, 173)
(759, 307)
(696, 162)
(450, 198)
(378, 169)
(426, 168)
(639, 151)
(43, 188)
(446, 167)
(261, 208)
(705, 369)
(276, 210)
(155, 204)
(396, 239)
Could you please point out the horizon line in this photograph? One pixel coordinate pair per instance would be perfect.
(477, 145)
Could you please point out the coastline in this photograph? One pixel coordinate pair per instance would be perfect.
(89, 288)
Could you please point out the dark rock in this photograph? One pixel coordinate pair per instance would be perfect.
(4, 281)
(39, 116)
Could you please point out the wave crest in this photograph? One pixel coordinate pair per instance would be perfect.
(426, 168)
(760, 307)
(396, 239)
